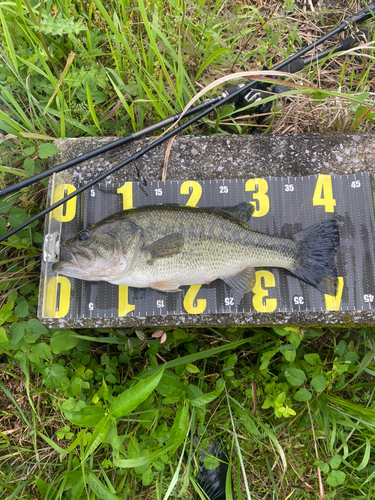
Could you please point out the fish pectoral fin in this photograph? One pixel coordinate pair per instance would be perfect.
(169, 245)
(244, 281)
(166, 286)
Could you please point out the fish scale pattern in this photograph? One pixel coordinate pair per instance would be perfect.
(216, 245)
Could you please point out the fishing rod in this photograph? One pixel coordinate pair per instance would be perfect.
(109, 147)
(359, 37)
(231, 94)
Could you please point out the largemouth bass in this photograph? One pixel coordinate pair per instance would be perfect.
(166, 246)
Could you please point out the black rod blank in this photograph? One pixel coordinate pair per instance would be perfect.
(107, 147)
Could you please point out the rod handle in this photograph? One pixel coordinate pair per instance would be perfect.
(363, 15)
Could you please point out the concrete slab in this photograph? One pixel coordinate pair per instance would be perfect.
(231, 156)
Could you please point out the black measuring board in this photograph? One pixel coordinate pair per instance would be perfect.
(283, 206)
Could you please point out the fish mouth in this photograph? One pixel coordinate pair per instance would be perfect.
(81, 257)
(73, 259)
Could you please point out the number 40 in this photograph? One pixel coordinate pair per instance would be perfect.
(323, 194)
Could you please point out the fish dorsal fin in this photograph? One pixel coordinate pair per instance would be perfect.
(167, 246)
(244, 281)
(242, 212)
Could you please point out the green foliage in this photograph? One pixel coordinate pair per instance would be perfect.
(63, 341)
(334, 477)
(47, 150)
(140, 422)
(59, 26)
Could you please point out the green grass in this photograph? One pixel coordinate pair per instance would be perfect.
(100, 412)
(81, 416)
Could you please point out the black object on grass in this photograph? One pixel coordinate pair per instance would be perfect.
(212, 481)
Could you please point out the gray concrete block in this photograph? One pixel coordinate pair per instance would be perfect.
(230, 156)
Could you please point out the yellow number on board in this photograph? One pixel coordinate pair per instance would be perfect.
(259, 187)
(260, 302)
(189, 299)
(60, 192)
(53, 308)
(196, 192)
(124, 307)
(127, 195)
(333, 302)
(323, 194)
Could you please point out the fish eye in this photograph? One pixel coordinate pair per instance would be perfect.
(84, 236)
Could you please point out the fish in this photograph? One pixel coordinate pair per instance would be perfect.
(164, 247)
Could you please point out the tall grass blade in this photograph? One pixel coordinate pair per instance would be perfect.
(145, 460)
(176, 474)
(91, 108)
(53, 445)
(152, 41)
(366, 456)
(210, 59)
(190, 358)
(99, 489)
(238, 448)
(67, 66)
(98, 436)
(8, 40)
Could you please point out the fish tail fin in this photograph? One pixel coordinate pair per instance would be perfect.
(316, 260)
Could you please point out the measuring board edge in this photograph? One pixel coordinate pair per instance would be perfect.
(316, 317)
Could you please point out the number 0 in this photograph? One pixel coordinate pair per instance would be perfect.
(60, 192)
(57, 297)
